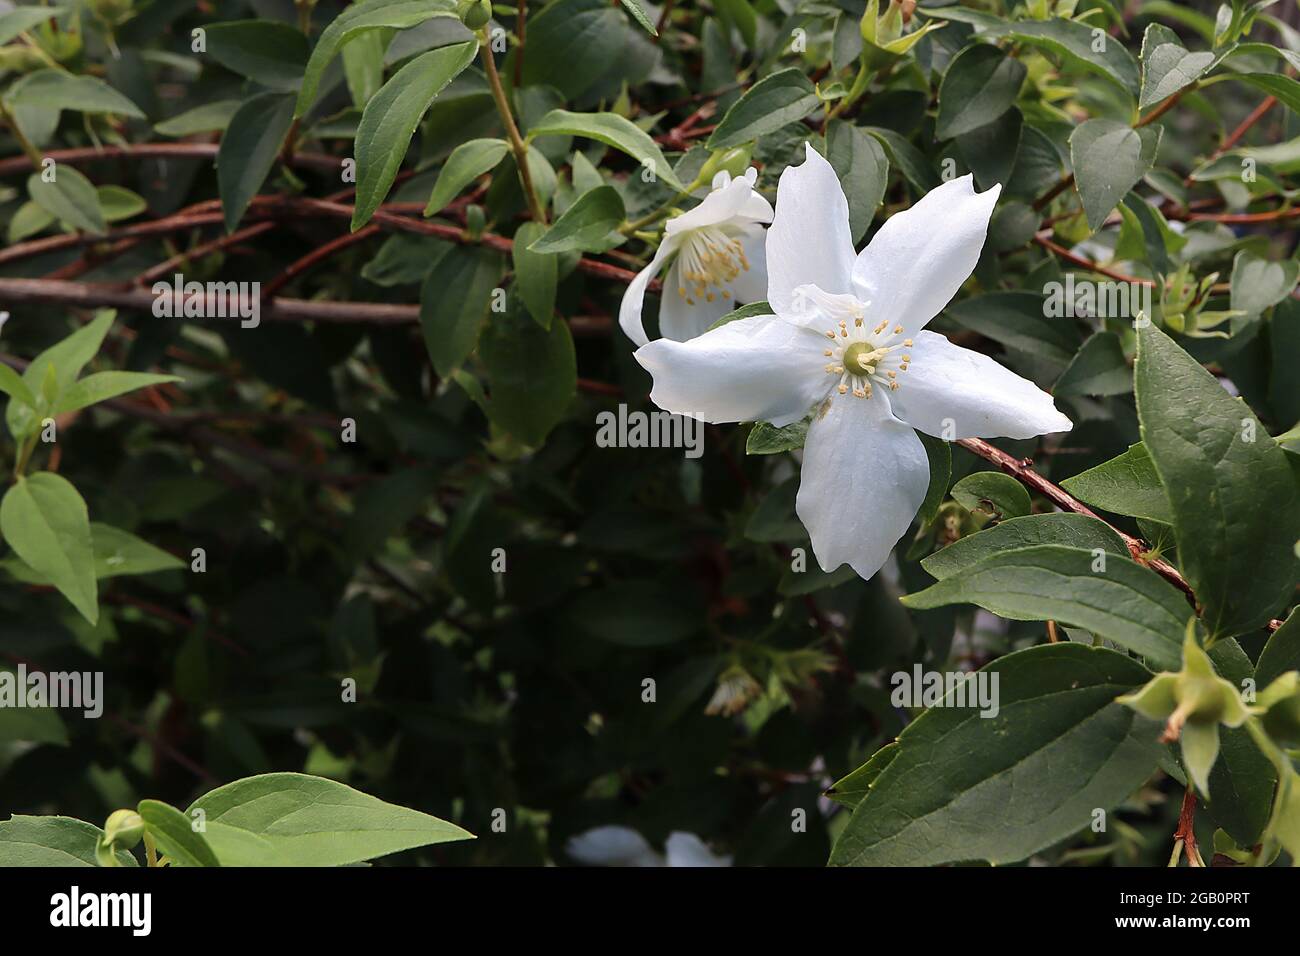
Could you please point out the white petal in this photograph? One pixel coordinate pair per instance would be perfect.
(758, 369)
(809, 241)
(629, 310)
(974, 396)
(612, 846)
(864, 476)
(686, 849)
(751, 285)
(678, 319)
(920, 257)
(718, 206)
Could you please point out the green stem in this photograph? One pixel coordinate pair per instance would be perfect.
(517, 144)
(150, 850)
(28, 147)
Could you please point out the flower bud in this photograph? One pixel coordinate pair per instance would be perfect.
(474, 13)
(733, 161)
(123, 829)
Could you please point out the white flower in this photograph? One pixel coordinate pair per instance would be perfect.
(622, 846)
(719, 262)
(846, 343)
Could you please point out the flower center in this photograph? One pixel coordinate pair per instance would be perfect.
(710, 260)
(858, 356)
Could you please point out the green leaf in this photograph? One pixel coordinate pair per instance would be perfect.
(1281, 653)
(1167, 66)
(266, 51)
(21, 19)
(774, 101)
(766, 439)
(1125, 485)
(744, 312)
(117, 553)
(586, 225)
(351, 23)
(293, 819)
(1285, 88)
(44, 520)
(863, 170)
(583, 42)
(54, 90)
(12, 384)
(118, 203)
(911, 161)
(391, 116)
(1121, 600)
(1075, 42)
(208, 118)
(1099, 368)
(1018, 320)
(1231, 491)
(536, 274)
(532, 375)
(1242, 780)
(1109, 159)
(105, 385)
(70, 198)
(51, 841)
(639, 15)
(1258, 283)
(67, 358)
(963, 788)
(174, 834)
(939, 453)
(981, 84)
(612, 130)
(248, 150)
(466, 163)
(454, 303)
(992, 493)
(1069, 530)
(852, 788)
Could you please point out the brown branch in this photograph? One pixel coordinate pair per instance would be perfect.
(315, 257)
(1088, 264)
(1186, 830)
(20, 164)
(165, 269)
(1235, 136)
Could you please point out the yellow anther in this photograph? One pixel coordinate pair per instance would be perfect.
(898, 330)
(907, 342)
(892, 374)
(828, 352)
(893, 386)
(830, 335)
(843, 389)
(907, 358)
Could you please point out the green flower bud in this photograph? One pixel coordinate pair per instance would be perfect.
(20, 59)
(123, 829)
(474, 13)
(734, 161)
(1279, 708)
(1192, 702)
